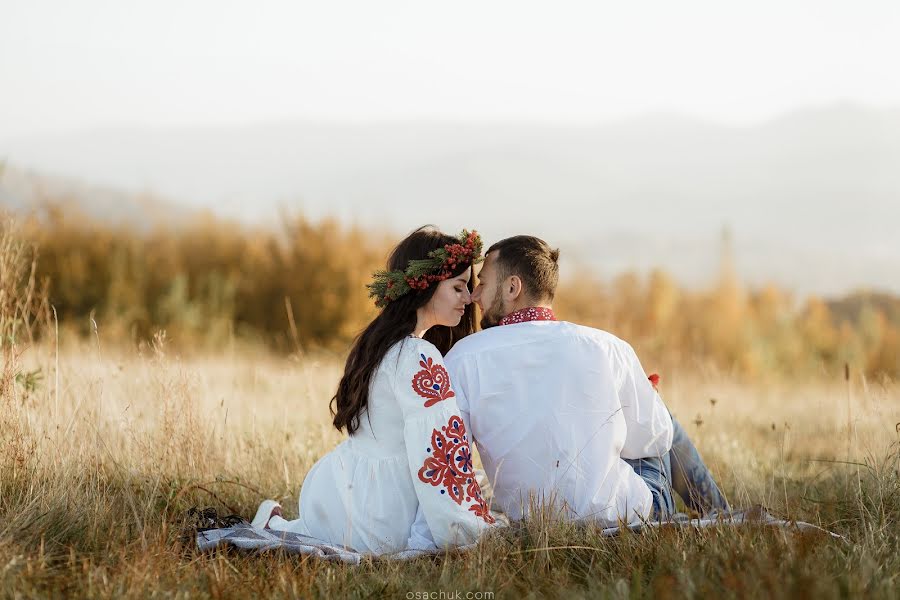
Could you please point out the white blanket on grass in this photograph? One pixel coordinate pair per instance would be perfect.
(756, 515)
(248, 538)
(245, 537)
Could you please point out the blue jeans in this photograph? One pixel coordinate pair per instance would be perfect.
(656, 473)
(681, 469)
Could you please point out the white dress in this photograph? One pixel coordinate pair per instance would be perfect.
(409, 458)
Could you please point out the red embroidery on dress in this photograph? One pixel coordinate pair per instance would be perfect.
(532, 313)
(432, 382)
(450, 467)
(481, 509)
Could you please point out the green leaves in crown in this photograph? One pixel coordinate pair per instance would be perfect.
(421, 273)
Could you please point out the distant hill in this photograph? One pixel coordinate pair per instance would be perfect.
(24, 190)
(812, 198)
(851, 307)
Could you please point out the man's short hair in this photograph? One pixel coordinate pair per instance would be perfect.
(533, 261)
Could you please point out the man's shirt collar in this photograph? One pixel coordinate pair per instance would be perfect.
(531, 313)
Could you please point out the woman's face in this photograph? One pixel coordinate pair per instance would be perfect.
(450, 299)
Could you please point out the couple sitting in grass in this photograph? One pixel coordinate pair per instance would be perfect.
(563, 415)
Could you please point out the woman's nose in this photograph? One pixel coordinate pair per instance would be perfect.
(467, 297)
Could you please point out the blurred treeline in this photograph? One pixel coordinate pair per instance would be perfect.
(745, 332)
(207, 281)
(302, 287)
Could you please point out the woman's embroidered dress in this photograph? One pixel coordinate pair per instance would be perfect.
(410, 456)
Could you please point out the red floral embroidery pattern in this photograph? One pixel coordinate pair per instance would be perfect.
(432, 382)
(531, 313)
(450, 467)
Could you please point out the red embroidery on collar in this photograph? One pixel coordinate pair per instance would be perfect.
(532, 313)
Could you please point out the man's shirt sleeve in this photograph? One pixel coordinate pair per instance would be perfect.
(648, 423)
(456, 367)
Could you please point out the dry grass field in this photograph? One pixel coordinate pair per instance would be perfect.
(106, 449)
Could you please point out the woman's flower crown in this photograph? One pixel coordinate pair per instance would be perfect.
(421, 273)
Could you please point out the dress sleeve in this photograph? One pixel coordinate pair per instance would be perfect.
(648, 423)
(437, 446)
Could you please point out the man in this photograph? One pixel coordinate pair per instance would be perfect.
(563, 415)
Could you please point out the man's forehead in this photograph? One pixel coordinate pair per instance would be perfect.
(488, 262)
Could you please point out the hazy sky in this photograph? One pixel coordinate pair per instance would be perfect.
(73, 65)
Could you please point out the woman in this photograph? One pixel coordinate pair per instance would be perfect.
(403, 479)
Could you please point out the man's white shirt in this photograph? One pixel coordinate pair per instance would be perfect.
(553, 408)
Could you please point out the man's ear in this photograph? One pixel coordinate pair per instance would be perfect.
(512, 288)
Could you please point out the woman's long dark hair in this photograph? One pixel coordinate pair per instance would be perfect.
(395, 322)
